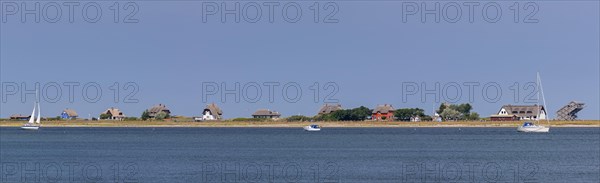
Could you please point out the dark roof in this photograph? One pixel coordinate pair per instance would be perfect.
(385, 108)
(522, 110)
(265, 112)
(158, 108)
(327, 108)
(70, 112)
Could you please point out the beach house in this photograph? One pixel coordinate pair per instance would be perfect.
(265, 113)
(112, 114)
(19, 117)
(211, 112)
(519, 112)
(329, 108)
(157, 109)
(68, 114)
(383, 112)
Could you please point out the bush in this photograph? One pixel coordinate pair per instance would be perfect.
(357, 114)
(161, 115)
(145, 116)
(250, 119)
(131, 119)
(298, 118)
(105, 116)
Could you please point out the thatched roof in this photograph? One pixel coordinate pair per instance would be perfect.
(18, 116)
(214, 110)
(266, 112)
(523, 110)
(70, 112)
(385, 108)
(114, 112)
(158, 108)
(329, 108)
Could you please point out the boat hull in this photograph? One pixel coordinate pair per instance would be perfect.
(30, 127)
(535, 129)
(310, 129)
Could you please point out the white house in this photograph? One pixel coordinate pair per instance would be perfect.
(211, 112)
(520, 112)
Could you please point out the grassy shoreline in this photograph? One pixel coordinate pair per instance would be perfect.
(358, 124)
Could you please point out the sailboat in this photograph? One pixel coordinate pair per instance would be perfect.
(536, 127)
(33, 125)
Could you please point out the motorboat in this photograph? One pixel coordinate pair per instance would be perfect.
(312, 128)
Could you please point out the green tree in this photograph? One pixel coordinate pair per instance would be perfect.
(105, 116)
(357, 114)
(451, 114)
(472, 116)
(465, 109)
(441, 108)
(145, 115)
(405, 114)
(161, 115)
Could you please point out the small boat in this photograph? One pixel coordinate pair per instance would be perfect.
(531, 126)
(31, 125)
(312, 128)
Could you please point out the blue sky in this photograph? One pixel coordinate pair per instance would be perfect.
(369, 54)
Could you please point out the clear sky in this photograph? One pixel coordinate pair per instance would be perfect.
(370, 53)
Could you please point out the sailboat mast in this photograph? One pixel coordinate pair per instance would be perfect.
(537, 88)
(544, 99)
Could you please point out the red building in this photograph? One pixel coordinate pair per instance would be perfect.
(383, 112)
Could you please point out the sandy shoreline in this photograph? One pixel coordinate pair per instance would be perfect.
(283, 124)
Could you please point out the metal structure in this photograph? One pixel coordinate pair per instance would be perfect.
(569, 111)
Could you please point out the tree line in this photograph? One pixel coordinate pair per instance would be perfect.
(447, 112)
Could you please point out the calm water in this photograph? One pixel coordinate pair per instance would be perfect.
(292, 155)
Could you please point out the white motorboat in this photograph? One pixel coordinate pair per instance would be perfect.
(531, 126)
(33, 125)
(312, 128)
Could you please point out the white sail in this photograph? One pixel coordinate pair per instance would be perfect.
(39, 113)
(32, 117)
(543, 99)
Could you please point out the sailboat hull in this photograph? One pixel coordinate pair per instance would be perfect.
(534, 129)
(27, 127)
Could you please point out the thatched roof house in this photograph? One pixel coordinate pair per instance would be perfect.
(115, 113)
(212, 112)
(329, 108)
(265, 113)
(157, 109)
(520, 112)
(383, 112)
(19, 117)
(69, 114)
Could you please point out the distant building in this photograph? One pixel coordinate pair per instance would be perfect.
(157, 109)
(19, 117)
(211, 112)
(415, 119)
(329, 108)
(264, 113)
(68, 114)
(115, 114)
(383, 111)
(519, 112)
(569, 111)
